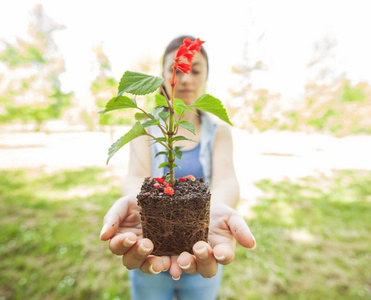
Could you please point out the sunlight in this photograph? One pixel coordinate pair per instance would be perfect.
(301, 236)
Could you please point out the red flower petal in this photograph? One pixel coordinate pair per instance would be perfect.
(157, 185)
(181, 51)
(187, 41)
(160, 180)
(185, 68)
(182, 179)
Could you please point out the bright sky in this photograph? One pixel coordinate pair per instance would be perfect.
(130, 30)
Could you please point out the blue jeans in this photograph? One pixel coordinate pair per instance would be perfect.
(163, 287)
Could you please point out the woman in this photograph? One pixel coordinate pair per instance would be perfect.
(187, 276)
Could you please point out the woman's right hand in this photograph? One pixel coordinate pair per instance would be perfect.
(122, 226)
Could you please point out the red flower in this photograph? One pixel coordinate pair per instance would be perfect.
(160, 180)
(185, 51)
(182, 179)
(169, 190)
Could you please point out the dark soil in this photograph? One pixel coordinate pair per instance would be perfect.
(174, 223)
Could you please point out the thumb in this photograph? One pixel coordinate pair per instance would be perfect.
(241, 232)
(113, 218)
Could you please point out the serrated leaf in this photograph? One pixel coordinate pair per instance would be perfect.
(150, 123)
(140, 116)
(161, 101)
(120, 102)
(161, 153)
(133, 133)
(212, 105)
(138, 83)
(187, 125)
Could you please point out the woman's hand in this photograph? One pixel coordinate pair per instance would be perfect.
(122, 226)
(226, 227)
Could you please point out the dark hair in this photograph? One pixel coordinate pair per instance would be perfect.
(175, 44)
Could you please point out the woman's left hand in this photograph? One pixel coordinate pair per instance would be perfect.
(226, 227)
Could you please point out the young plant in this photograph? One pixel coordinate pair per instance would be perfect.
(168, 120)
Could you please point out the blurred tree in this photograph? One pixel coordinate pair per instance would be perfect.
(250, 108)
(332, 104)
(29, 84)
(104, 87)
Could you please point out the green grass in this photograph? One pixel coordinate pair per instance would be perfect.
(313, 239)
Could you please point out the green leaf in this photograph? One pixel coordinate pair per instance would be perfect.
(181, 138)
(160, 139)
(133, 133)
(140, 116)
(180, 106)
(160, 100)
(187, 125)
(164, 115)
(212, 105)
(162, 153)
(167, 165)
(177, 152)
(156, 112)
(164, 165)
(119, 102)
(150, 123)
(138, 83)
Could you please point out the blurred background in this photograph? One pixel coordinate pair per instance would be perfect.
(295, 78)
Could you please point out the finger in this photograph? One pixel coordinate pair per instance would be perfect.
(241, 232)
(153, 265)
(175, 271)
(135, 257)
(206, 263)
(224, 253)
(187, 262)
(166, 260)
(121, 243)
(113, 218)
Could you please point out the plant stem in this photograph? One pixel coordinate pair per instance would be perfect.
(171, 157)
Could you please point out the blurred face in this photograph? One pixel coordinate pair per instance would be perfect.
(190, 86)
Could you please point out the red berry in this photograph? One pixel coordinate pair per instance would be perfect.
(169, 190)
(160, 180)
(191, 177)
(157, 185)
(182, 179)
